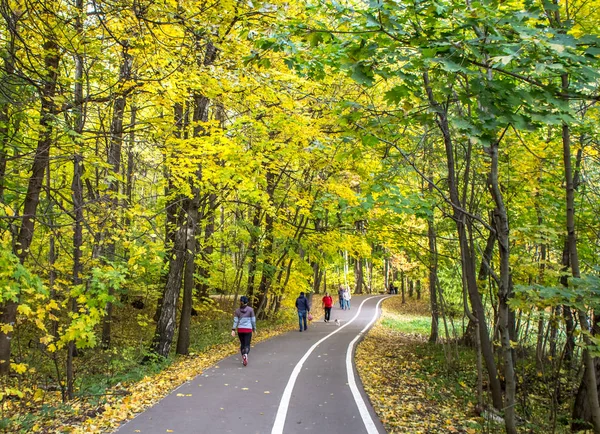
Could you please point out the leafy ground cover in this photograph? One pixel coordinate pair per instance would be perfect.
(415, 387)
(409, 382)
(104, 403)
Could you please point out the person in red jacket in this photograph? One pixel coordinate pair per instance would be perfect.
(327, 305)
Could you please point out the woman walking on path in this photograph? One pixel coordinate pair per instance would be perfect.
(303, 310)
(245, 323)
(327, 305)
(341, 296)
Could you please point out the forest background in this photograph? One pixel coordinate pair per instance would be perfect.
(160, 158)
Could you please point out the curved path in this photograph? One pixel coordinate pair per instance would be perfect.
(294, 383)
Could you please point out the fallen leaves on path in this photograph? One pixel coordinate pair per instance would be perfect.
(391, 372)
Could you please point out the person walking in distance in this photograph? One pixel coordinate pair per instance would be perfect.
(303, 310)
(327, 305)
(341, 296)
(244, 321)
(346, 296)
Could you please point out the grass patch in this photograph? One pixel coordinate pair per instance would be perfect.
(409, 324)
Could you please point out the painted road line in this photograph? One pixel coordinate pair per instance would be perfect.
(287, 393)
(360, 402)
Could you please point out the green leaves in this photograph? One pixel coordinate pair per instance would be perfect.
(16, 281)
(362, 74)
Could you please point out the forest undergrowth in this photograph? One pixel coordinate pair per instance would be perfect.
(115, 392)
(416, 387)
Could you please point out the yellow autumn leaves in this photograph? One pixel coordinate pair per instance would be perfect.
(393, 377)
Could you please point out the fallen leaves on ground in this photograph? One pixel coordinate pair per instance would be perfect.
(147, 392)
(392, 375)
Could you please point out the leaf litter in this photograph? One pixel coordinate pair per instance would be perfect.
(401, 382)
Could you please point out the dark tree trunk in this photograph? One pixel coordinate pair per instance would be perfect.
(114, 161)
(486, 259)
(567, 312)
(591, 405)
(582, 415)
(403, 287)
(200, 116)
(386, 274)
(9, 69)
(253, 253)
(434, 335)
(171, 205)
(207, 246)
(468, 265)
(359, 277)
(267, 271)
(130, 161)
(183, 338)
(469, 339)
(165, 327)
(317, 277)
(32, 197)
(504, 289)
(77, 194)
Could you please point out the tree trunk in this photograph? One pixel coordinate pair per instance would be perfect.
(358, 276)
(183, 338)
(386, 274)
(403, 287)
(267, 271)
(486, 259)
(36, 180)
(201, 116)
(207, 246)
(504, 289)
(130, 161)
(431, 236)
(569, 347)
(114, 160)
(591, 406)
(540, 347)
(253, 253)
(76, 193)
(369, 267)
(165, 327)
(468, 266)
(171, 205)
(9, 69)
(485, 269)
(316, 276)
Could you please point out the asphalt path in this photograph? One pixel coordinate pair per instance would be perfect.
(294, 383)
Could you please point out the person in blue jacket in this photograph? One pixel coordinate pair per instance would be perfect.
(303, 310)
(244, 321)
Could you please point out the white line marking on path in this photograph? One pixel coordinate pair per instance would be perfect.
(287, 393)
(360, 402)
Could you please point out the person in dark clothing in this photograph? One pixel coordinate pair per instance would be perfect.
(244, 321)
(303, 310)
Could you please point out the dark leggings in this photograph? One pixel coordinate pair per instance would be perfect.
(327, 313)
(245, 339)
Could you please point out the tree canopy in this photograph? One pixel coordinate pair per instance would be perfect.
(160, 159)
